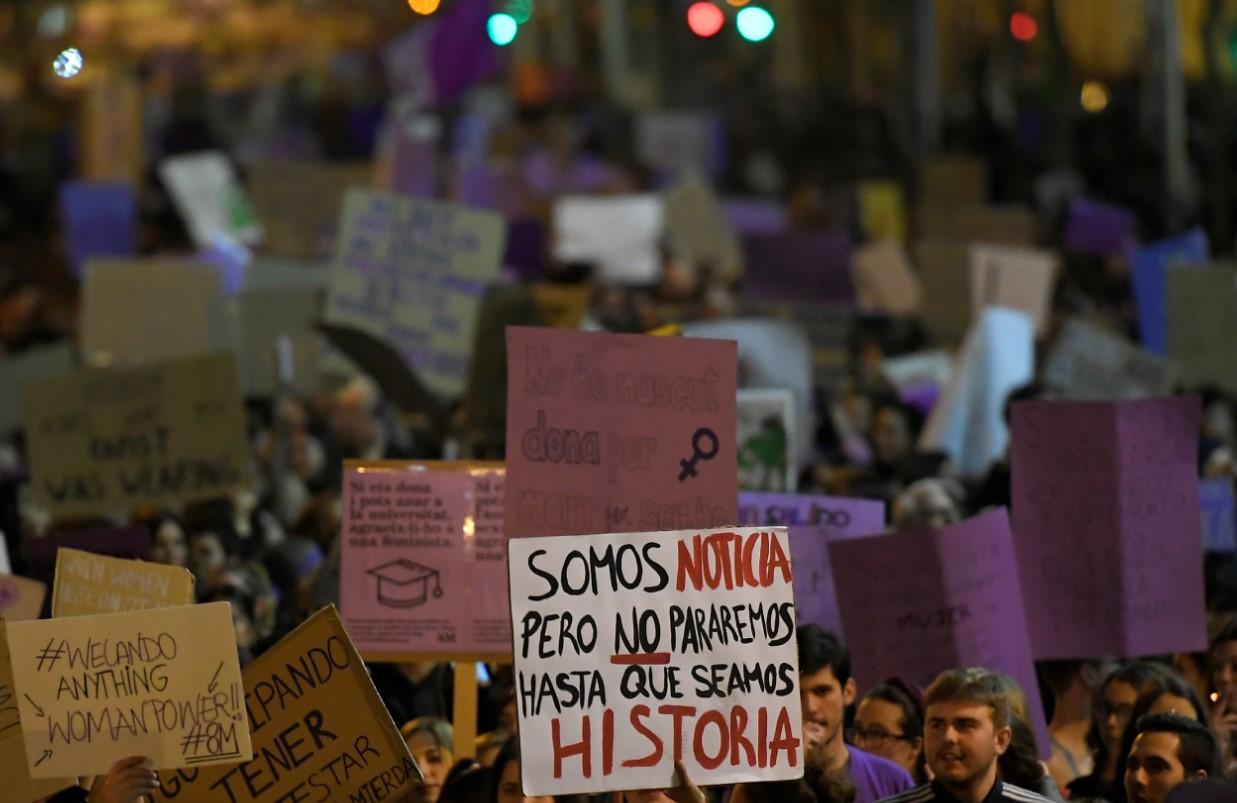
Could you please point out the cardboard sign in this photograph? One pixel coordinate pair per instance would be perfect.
(1106, 511)
(619, 236)
(20, 598)
(412, 273)
(131, 543)
(1098, 228)
(269, 317)
(813, 522)
(954, 179)
(698, 230)
(999, 225)
(611, 432)
(799, 266)
(882, 210)
(99, 219)
(112, 146)
(108, 440)
(320, 731)
(1202, 325)
(918, 602)
(450, 600)
(1091, 364)
(968, 421)
(209, 199)
(884, 280)
(562, 306)
(1149, 266)
(636, 650)
(1014, 278)
(163, 683)
(680, 141)
(767, 434)
(299, 204)
(18, 785)
(143, 311)
(944, 274)
(1216, 501)
(87, 583)
(31, 365)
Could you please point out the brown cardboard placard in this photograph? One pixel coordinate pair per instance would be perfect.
(87, 583)
(108, 440)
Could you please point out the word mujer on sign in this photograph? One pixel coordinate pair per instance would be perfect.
(637, 650)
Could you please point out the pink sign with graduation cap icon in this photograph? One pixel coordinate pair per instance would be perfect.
(423, 568)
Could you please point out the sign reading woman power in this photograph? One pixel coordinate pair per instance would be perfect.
(636, 650)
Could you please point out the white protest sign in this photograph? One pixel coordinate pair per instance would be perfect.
(164, 683)
(209, 198)
(633, 651)
(620, 235)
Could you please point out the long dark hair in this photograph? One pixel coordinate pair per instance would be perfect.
(895, 692)
(1138, 674)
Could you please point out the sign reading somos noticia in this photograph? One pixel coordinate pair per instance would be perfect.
(636, 650)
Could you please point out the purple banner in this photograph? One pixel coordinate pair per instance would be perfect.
(1096, 228)
(100, 219)
(799, 266)
(1106, 511)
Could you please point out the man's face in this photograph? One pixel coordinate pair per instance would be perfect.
(962, 741)
(824, 701)
(1152, 769)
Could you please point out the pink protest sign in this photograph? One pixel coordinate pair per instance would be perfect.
(423, 562)
(619, 433)
(1106, 511)
(813, 522)
(918, 602)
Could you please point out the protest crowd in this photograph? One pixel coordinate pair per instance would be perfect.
(555, 430)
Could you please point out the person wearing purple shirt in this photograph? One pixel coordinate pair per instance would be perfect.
(825, 690)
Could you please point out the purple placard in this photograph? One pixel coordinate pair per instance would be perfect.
(100, 220)
(526, 244)
(1108, 523)
(812, 266)
(461, 54)
(918, 602)
(132, 543)
(1096, 228)
(755, 215)
(814, 521)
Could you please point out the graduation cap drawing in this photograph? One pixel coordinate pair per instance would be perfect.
(405, 584)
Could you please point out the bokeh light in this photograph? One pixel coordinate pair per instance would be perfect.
(424, 6)
(1094, 97)
(755, 24)
(502, 29)
(705, 19)
(69, 63)
(1023, 27)
(520, 10)
(738, 3)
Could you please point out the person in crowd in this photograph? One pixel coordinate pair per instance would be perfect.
(1073, 686)
(1208, 790)
(488, 745)
(168, 544)
(414, 689)
(1167, 694)
(889, 723)
(1021, 766)
(1222, 673)
(814, 787)
(506, 781)
(826, 689)
(966, 731)
(1168, 751)
(431, 741)
(929, 502)
(1114, 706)
(467, 782)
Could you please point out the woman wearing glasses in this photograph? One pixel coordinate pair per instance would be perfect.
(889, 723)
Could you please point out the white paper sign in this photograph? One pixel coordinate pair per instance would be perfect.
(210, 199)
(636, 650)
(620, 235)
